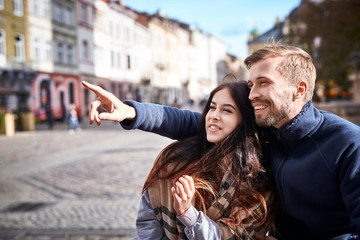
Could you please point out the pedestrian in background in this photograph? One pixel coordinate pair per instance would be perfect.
(49, 117)
(73, 121)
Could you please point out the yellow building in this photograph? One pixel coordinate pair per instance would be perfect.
(15, 76)
(13, 33)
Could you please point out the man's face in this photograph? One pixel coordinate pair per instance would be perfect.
(270, 95)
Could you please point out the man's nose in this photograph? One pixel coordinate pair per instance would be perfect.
(254, 93)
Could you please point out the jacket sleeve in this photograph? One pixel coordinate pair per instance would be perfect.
(198, 226)
(147, 225)
(163, 120)
(346, 237)
(349, 178)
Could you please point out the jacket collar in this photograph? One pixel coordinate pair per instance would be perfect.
(301, 126)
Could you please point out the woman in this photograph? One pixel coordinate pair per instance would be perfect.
(214, 183)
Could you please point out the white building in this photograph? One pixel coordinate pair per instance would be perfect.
(142, 62)
(52, 34)
(209, 54)
(122, 51)
(40, 34)
(86, 14)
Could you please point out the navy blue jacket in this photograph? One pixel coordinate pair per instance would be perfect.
(315, 160)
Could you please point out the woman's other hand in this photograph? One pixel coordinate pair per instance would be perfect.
(183, 193)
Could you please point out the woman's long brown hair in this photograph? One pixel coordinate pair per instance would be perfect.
(207, 162)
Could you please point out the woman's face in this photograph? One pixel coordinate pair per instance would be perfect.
(223, 116)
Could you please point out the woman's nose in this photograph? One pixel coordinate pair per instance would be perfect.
(215, 114)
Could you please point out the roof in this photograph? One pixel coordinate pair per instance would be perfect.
(274, 33)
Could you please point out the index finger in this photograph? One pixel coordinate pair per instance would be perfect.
(99, 91)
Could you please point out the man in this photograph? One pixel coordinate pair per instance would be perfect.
(314, 155)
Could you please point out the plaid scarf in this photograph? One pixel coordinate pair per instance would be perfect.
(234, 223)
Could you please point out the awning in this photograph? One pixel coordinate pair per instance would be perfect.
(8, 91)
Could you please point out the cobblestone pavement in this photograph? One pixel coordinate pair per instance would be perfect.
(54, 185)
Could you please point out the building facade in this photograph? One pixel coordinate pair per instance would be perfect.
(47, 47)
(16, 74)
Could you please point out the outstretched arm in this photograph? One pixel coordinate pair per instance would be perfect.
(163, 120)
(166, 121)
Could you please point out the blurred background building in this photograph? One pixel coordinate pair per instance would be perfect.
(47, 47)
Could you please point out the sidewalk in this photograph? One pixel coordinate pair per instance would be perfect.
(54, 185)
(58, 125)
(60, 235)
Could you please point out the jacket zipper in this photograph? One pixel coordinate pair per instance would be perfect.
(280, 173)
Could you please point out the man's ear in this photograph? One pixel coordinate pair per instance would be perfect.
(301, 90)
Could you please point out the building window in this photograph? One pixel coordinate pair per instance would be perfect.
(128, 62)
(112, 58)
(18, 7)
(60, 53)
(2, 42)
(67, 16)
(111, 28)
(118, 60)
(19, 47)
(57, 12)
(93, 16)
(1, 4)
(37, 49)
(127, 34)
(118, 27)
(85, 50)
(46, 9)
(121, 95)
(35, 7)
(48, 50)
(71, 93)
(70, 54)
(83, 13)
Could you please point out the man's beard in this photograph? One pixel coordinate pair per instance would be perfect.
(275, 116)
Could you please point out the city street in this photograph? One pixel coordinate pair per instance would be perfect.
(54, 185)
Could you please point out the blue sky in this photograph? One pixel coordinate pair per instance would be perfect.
(230, 20)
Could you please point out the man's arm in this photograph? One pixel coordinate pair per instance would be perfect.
(350, 183)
